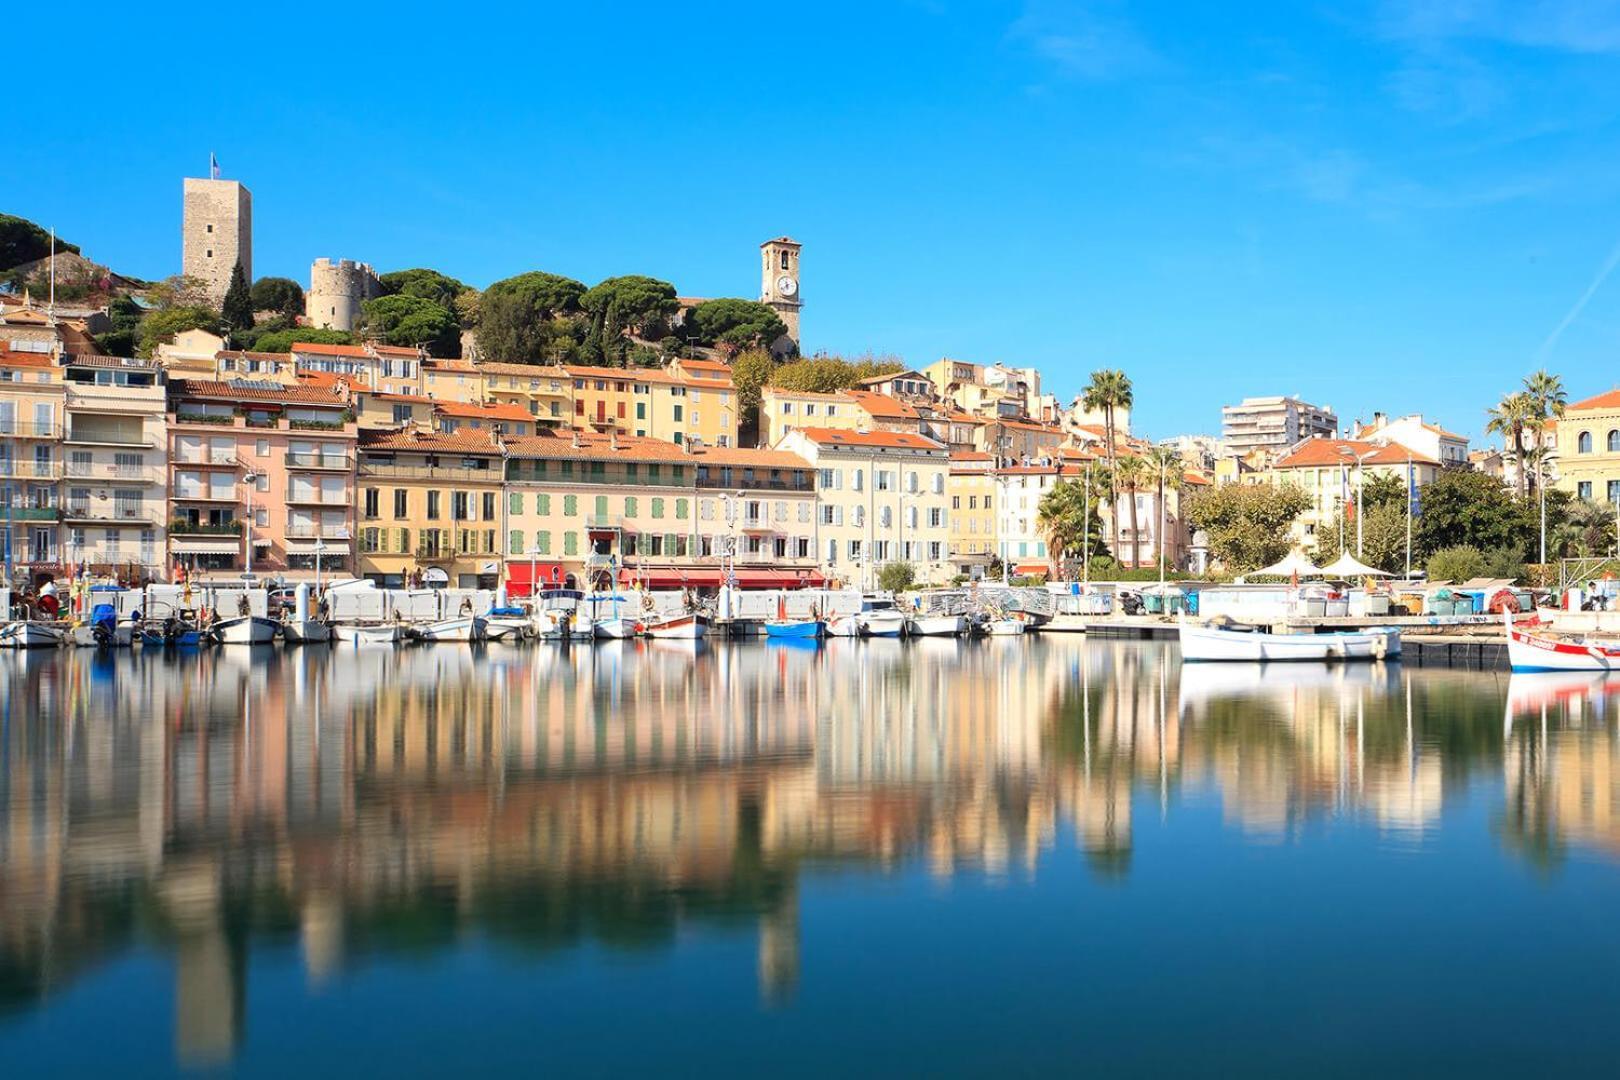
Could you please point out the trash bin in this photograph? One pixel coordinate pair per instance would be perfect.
(1153, 603)
(1192, 603)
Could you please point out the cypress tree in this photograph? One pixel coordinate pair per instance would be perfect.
(237, 310)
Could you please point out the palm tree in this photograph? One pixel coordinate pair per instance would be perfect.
(1545, 394)
(1166, 463)
(1131, 473)
(1061, 520)
(1508, 420)
(1109, 389)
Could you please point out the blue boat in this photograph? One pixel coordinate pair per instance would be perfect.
(793, 628)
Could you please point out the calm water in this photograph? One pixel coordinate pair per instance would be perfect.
(1009, 856)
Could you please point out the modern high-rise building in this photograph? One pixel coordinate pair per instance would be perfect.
(1273, 424)
(216, 233)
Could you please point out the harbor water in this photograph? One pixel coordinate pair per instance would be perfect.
(999, 856)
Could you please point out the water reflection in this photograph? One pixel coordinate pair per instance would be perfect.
(366, 803)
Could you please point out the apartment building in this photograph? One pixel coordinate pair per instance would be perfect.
(648, 403)
(1426, 438)
(379, 368)
(388, 411)
(971, 487)
(545, 393)
(1588, 447)
(759, 508)
(1325, 469)
(780, 411)
(881, 499)
(429, 507)
(453, 416)
(114, 476)
(1018, 493)
(1273, 424)
(446, 380)
(32, 398)
(261, 479)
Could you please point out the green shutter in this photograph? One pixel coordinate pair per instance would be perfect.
(680, 509)
(570, 505)
(669, 544)
(570, 543)
(543, 541)
(404, 541)
(630, 506)
(601, 506)
(515, 542)
(543, 504)
(658, 508)
(514, 503)
(641, 410)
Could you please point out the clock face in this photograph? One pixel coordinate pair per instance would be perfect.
(786, 285)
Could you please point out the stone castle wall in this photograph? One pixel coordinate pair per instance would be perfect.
(336, 291)
(216, 232)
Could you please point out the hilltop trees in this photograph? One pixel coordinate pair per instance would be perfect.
(236, 312)
(826, 374)
(282, 340)
(406, 320)
(1463, 507)
(424, 284)
(733, 325)
(161, 325)
(517, 318)
(629, 305)
(21, 241)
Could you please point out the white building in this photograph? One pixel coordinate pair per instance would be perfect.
(1273, 424)
(1416, 434)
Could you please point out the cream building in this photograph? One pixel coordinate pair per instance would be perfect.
(882, 499)
(1430, 440)
(32, 397)
(1589, 448)
(544, 392)
(780, 411)
(1325, 469)
(654, 404)
(972, 491)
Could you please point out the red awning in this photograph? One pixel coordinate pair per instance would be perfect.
(1032, 568)
(517, 576)
(711, 578)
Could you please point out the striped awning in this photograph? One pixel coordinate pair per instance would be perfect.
(307, 547)
(187, 546)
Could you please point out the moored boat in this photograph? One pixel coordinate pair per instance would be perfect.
(1530, 651)
(617, 628)
(386, 633)
(794, 628)
(1005, 627)
(936, 625)
(509, 623)
(687, 626)
(305, 632)
(844, 626)
(1217, 643)
(27, 634)
(468, 628)
(246, 630)
(879, 618)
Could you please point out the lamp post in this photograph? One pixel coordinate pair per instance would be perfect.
(1159, 539)
(1410, 482)
(320, 546)
(1085, 534)
(250, 478)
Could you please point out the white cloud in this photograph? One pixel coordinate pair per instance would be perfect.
(1579, 26)
(1084, 40)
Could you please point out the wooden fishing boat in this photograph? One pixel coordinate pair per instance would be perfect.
(794, 628)
(468, 628)
(28, 634)
(1218, 643)
(687, 626)
(936, 625)
(1532, 651)
(246, 630)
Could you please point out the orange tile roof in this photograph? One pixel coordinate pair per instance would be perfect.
(326, 378)
(1443, 433)
(394, 350)
(593, 447)
(438, 365)
(1609, 399)
(899, 440)
(429, 442)
(632, 375)
(489, 412)
(239, 390)
(1030, 425)
(881, 405)
(706, 365)
(533, 370)
(413, 398)
(317, 348)
(8, 358)
(1065, 469)
(1321, 453)
(969, 455)
(248, 354)
(747, 457)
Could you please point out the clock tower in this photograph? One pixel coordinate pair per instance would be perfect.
(779, 281)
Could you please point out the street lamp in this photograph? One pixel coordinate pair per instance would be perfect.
(320, 546)
(1360, 460)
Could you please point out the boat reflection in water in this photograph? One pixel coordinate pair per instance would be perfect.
(639, 794)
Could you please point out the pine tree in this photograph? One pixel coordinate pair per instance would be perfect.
(237, 310)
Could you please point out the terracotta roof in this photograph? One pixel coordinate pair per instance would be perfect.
(1323, 452)
(253, 390)
(396, 350)
(881, 404)
(1066, 469)
(593, 447)
(316, 348)
(1443, 433)
(1196, 479)
(705, 365)
(415, 398)
(969, 456)
(438, 365)
(747, 457)
(327, 378)
(908, 373)
(1030, 425)
(428, 442)
(490, 412)
(1609, 399)
(533, 370)
(8, 358)
(630, 375)
(900, 440)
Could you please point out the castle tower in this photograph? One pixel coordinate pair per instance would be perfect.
(216, 232)
(779, 281)
(336, 291)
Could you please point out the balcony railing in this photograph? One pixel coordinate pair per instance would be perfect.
(112, 558)
(19, 469)
(212, 459)
(30, 513)
(107, 510)
(318, 532)
(217, 419)
(436, 472)
(109, 438)
(101, 470)
(297, 460)
(27, 429)
(183, 527)
(317, 498)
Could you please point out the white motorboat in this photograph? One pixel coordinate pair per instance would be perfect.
(845, 626)
(1529, 651)
(246, 630)
(936, 625)
(879, 618)
(92, 636)
(506, 628)
(687, 626)
(465, 629)
(582, 627)
(389, 633)
(25, 634)
(617, 628)
(1205, 643)
(305, 632)
(1008, 627)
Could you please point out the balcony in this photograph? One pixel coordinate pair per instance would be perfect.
(23, 429)
(204, 495)
(317, 498)
(105, 559)
(604, 521)
(108, 510)
(184, 527)
(30, 513)
(101, 470)
(224, 459)
(434, 472)
(94, 437)
(331, 462)
(318, 532)
(18, 469)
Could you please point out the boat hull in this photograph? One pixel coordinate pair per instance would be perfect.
(937, 626)
(845, 626)
(1213, 644)
(616, 629)
(30, 635)
(880, 623)
(305, 632)
(1533, 652)
(1005, 627)
(678, 628)
(506, 628)
(453, 631)
(85, 637)
(793, 628)
(246, 630)
(367, 634)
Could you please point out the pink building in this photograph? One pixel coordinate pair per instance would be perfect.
(261, 478)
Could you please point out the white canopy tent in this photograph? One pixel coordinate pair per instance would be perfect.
(1348, 566)
(1293, 563)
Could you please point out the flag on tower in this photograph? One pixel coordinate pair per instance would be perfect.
(213, 166)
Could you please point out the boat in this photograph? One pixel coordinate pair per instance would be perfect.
(464, 629)
(581, 627)
(27, 634)
(173, 633)
(1530, 651)
(1216, 643)
(246, 630)
(879, 618)
(844, 626)
(616, 628)
(686, 626)
(387, 633)
(305, 632)
(1005, 627)
(510, 623)
(936, 625)
(102, 630)
(794, 628)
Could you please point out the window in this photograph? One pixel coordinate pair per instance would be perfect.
(433, 506)
(680, 509)
(371, 502)
(570, 506)
(261, 447)
(883, 480)
(936, 518)
(679, 412)
(460, 506)
(641, 410)
(570, 543)
(956, 502)
(400, 508)
(787, 409)
(1614, 442)
(514, 503)
(885, 517)
(860, 517)
(939, 483)
(658, 508)
(514, 542)
(1583, 443)
(1614, 492)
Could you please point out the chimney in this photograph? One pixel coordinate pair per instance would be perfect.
(613, 439)
(576, 438)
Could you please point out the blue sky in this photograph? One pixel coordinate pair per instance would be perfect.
(1395, 207)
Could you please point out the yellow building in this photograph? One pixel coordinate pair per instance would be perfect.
(31, 424)
(780, 411)
(542, 391)
(1325, 469)
(447, 380)
(390, 411)
(972, 491)
(430, 507)
(653, 404)
(1589, 448)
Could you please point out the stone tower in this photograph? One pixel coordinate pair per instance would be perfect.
(336, 291)
(779, 281)
(216, 232)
